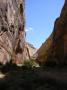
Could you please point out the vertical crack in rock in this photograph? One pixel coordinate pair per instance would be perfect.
(12, 34)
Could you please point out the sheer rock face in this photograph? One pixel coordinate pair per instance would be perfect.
(12, 34)
(59, 45)
(44, 49)
(57, 50)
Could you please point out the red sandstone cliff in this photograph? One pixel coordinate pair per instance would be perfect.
(57, 43)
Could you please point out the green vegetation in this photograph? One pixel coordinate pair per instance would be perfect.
(30, 64)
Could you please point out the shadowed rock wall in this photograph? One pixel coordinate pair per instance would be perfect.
(56, 49)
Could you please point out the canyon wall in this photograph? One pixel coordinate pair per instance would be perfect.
(12, 33)
(56, 49)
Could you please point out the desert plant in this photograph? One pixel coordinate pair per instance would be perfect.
(30, 63)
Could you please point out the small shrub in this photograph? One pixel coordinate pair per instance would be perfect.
(30, 63)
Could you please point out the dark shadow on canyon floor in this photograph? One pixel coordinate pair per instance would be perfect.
(42, 78)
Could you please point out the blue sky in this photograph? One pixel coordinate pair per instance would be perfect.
(40, 16)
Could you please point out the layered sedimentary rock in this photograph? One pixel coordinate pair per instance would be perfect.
(57, 50)
(12, 34)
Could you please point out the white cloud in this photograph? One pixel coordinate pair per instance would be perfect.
(26, 30)
(29, 29)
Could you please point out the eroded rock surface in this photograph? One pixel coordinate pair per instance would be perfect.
(12, 34)
(57, 48)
